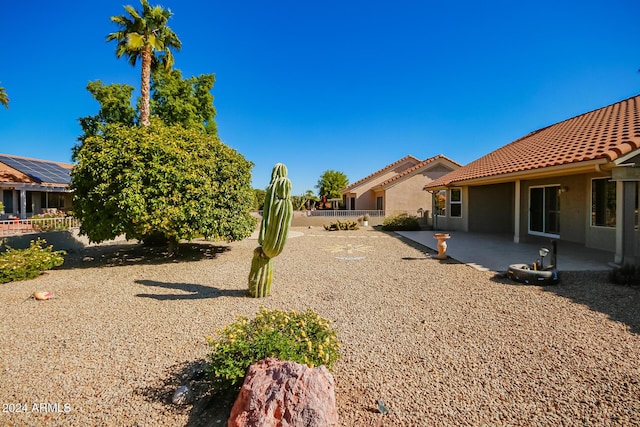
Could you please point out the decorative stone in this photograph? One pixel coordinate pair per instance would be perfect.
(286, 394)
(182, 396)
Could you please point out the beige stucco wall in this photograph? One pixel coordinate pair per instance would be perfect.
(575, 212)
(365, 196)
(409, 195)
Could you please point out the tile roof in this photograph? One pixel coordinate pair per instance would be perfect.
(384, 169)
(606, 133)
(416, 167)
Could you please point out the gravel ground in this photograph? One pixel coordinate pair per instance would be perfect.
(438, 342)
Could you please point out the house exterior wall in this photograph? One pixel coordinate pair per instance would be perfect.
(408, 195)
(365, 196)
(575, 212)
(492, 208)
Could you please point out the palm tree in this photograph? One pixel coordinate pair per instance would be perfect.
(141, 34)
(4, 99)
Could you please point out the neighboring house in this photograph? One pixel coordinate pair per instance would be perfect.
(398, 186)
(576, 181)
(31, 186)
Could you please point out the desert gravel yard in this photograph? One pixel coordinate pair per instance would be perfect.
(440, 343)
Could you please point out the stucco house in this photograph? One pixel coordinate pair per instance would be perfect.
(576, 181)
(398, 186)
(32, 186)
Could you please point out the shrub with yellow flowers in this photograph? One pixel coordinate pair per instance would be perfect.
(23, 264)
(287, 335)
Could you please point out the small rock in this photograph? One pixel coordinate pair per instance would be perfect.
(182, 396)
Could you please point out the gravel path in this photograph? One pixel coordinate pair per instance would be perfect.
(438, 342)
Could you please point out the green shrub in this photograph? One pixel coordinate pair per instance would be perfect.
(22, 264)
(628, 274)
(342, 225)
(55, 222)
(298, 337)
(401, 222)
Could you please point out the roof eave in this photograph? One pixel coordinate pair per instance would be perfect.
(596, 165)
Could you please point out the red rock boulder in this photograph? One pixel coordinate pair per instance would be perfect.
(285, 394)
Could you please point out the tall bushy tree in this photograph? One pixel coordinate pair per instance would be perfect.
(161, 180)
(4, 99)
(141, 35)
(331, 182)
(187, 102)
(115, 107)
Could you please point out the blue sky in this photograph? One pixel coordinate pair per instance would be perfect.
(347, 85)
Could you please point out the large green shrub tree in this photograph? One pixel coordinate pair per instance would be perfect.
(161, 181)
(331, 182)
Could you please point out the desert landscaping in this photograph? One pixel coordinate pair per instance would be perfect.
(438, 342)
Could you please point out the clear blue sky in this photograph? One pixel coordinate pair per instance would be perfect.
(347, 85)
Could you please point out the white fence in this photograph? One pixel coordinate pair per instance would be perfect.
(13, 227)
(346, 213)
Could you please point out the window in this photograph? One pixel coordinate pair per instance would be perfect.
(440, 203)
(7, 200)
(603, 203)
(544, 210)
(379, 203)
(456, 202)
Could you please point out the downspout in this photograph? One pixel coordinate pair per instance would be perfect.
(516, 213)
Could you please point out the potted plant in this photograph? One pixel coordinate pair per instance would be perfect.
(365, 220)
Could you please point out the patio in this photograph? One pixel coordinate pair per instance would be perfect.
(496, 252)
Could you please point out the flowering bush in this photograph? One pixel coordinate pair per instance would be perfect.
(299, 337)
(21, 264)
(50, 222)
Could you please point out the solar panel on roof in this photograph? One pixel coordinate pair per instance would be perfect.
(39, 170)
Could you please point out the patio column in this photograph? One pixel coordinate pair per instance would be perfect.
(625, 217)
(23, 204)
(516, 213)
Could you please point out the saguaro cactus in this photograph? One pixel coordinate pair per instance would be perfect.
(276, 219)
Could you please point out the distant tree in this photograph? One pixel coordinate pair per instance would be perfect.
(304, 200)
(4, 99)
(141, 34)
(330, 183)
(258, 198)
(187, 102)
(161, 181)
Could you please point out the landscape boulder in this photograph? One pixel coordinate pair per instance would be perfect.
(286, 394)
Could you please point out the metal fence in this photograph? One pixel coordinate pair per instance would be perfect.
(346, 213)
(12, 227)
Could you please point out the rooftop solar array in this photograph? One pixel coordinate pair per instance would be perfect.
(39, 170)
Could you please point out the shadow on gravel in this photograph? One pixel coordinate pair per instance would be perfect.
(195, 291)
(593, 289)
(206, 407)
(131, 254)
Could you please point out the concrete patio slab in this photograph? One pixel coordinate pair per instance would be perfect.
(496, 252)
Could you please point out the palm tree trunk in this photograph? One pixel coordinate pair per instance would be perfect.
(145, 86)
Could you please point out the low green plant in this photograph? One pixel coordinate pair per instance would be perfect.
(401, 222)
(22, 264)
(342, 225)
(628, 274)
(302, 337)
(52, 222)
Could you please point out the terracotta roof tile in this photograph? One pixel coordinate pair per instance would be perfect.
(416, 167)
(606, 133)
(384, 169)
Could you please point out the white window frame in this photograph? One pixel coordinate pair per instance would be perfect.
(455, 202)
